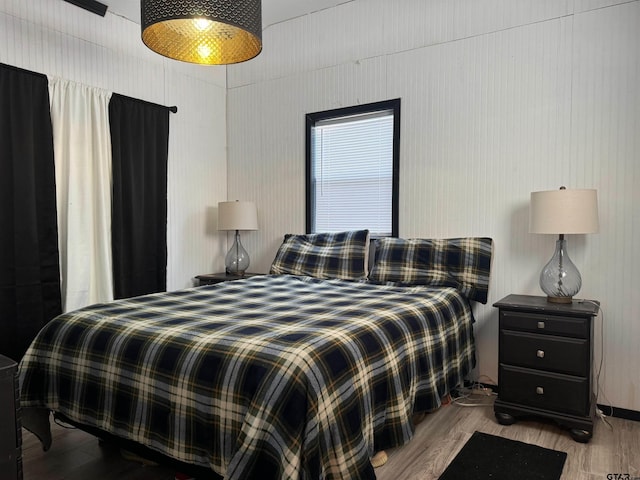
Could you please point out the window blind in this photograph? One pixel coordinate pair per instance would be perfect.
(352, 173)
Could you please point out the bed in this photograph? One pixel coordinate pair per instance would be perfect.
(287, 375)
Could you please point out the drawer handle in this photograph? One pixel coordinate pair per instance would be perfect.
(540, 390)
(540, 325)
(540, 353)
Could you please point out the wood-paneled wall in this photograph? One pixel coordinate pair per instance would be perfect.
(499, 98)
(56, 38)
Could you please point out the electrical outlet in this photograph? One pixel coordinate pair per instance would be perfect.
(481, 391)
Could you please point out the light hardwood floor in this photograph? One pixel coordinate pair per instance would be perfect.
(76, 455)
(442, 434)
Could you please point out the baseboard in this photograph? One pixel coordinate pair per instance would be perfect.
(608, 410)
(620, 412)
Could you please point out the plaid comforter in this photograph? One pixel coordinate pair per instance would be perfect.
(267, 377)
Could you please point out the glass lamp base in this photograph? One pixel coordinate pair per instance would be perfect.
(560, 279)
(237, 260)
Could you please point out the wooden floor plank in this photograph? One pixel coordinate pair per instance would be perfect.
(440, 437)
(76, 455)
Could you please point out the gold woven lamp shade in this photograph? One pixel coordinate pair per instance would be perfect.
(208, 32)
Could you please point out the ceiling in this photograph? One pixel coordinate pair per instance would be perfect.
(273, 11)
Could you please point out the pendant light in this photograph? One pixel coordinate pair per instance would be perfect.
(208, 32)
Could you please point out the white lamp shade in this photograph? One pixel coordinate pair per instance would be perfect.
(237, 216)
(564, 211)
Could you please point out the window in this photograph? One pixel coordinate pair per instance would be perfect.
(352, 169)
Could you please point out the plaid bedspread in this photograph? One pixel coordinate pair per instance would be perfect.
(268, 377)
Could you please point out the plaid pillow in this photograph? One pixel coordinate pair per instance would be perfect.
(464, 263)
(342, 255)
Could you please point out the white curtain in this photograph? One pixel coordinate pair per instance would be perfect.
(82, 150)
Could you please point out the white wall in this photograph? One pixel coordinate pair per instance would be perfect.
(494, 106)
(499, 98)
(57, 38)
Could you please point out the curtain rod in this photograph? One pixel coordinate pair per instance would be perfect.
(172, 109)
(21, 70)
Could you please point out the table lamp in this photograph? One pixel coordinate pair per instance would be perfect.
(562, 212)
(237, 216)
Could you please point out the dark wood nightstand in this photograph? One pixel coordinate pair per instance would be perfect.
(213, 278)
(545, 355)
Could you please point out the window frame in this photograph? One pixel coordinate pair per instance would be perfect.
(313, 118)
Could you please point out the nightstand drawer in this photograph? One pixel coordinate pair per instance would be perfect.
(549, 391)
(545, 324)
(545, 352)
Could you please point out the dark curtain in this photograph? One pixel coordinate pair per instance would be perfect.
(140, 142)
(29, 262)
